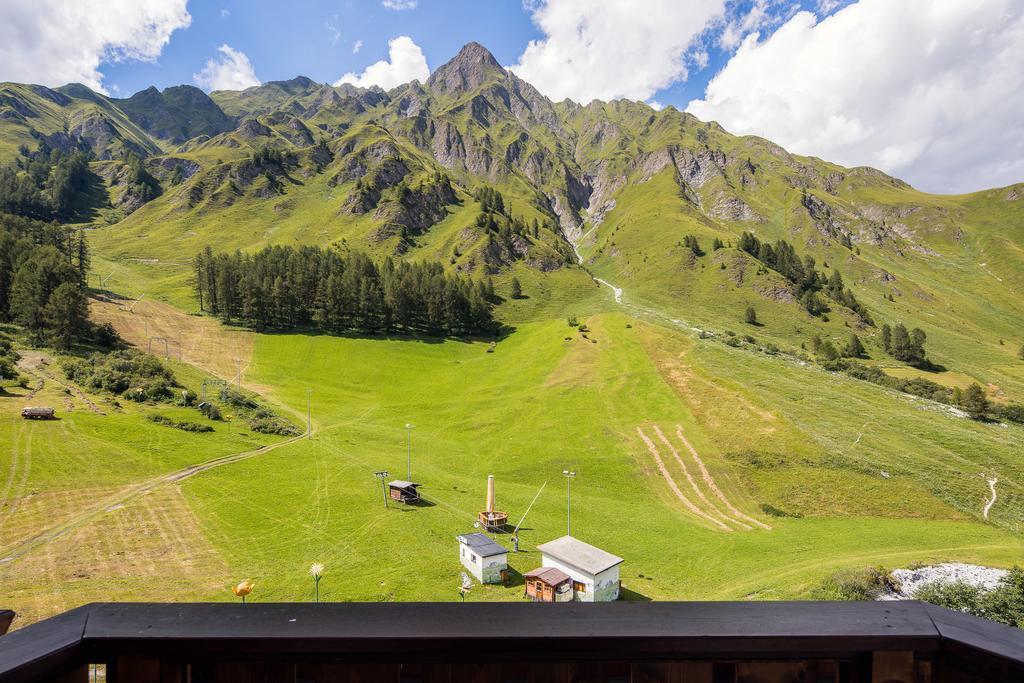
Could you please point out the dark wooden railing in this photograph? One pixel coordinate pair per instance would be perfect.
(703, 642)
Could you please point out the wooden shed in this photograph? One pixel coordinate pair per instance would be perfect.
(404, 491)
(548, 584)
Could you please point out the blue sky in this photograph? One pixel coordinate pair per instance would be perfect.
(315, 38)
(927, 90)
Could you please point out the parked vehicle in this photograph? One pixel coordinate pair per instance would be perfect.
(38, 413)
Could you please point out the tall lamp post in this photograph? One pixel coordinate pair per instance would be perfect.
(408, 468)
(569, 476)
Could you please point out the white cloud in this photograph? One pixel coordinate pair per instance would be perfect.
(333, 30)
(357, 46)
(613, 49)
(232, 70)
(399, 5)
(405, 62)
(655, 105)
(225, 13)
(54, 42)
(929, 90)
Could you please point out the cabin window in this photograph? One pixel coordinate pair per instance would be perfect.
(463, 551)
(472, 558)
(579, 586)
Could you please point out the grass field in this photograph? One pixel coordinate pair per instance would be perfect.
(768, 431)
(539, 404)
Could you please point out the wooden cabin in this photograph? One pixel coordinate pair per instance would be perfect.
(548, 584)
(404, 491)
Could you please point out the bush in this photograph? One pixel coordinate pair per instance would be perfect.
(1004, 604)
(867, 583)
(140, 377)
(272, 425)
(773, 511)
(210, 410)
(184, 426)
(1014, 412)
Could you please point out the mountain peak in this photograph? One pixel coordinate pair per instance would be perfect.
(466, 71)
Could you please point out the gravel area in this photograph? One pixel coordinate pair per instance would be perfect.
(911, 580)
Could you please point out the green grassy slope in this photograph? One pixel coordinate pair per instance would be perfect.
(539, 404)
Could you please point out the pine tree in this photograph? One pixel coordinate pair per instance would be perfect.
(66, 314)
(517, 289)
(887, 338)
(975, 402)
(750, 317)
(854, 347)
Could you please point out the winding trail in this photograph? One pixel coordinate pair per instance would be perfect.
(990, 503)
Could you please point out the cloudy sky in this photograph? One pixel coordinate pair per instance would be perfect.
(931, 91)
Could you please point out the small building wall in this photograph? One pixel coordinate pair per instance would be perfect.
(483, 569)
(606, 585)
(601, 588)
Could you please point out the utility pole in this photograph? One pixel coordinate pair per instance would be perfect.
(309, 413)
(238, 374)
(384, 487)
(408, 468)
(569, 476)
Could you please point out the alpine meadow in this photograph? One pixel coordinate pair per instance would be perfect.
(753, 375)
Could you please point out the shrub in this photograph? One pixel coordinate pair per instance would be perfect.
(210, 410)
(773, 511)
(867, 583)
(184, 426)
(272, 425)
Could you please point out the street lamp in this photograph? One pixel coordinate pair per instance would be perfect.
(408, 469)
(569, 476)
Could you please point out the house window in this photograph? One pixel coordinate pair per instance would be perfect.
(579, 586)
(472, 558)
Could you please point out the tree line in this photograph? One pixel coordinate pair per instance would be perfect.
(284, 287)
(45, 184)
(802, 274)
(43, 267)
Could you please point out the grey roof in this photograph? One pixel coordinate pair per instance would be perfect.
(400, 484)
(482, 545)
(579, 554)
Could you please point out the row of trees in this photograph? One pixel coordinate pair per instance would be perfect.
(287, 288)
(802, 273)
(42, 279)
(45, 184)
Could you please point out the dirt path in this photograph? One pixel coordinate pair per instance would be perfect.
(990, 503)
(708, 505)
(675, 487)
(710, 481)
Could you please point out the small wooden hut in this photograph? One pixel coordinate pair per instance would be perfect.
(548, 584)
(404, 491)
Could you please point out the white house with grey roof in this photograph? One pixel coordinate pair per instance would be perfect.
(484, 558)
(595, 573)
